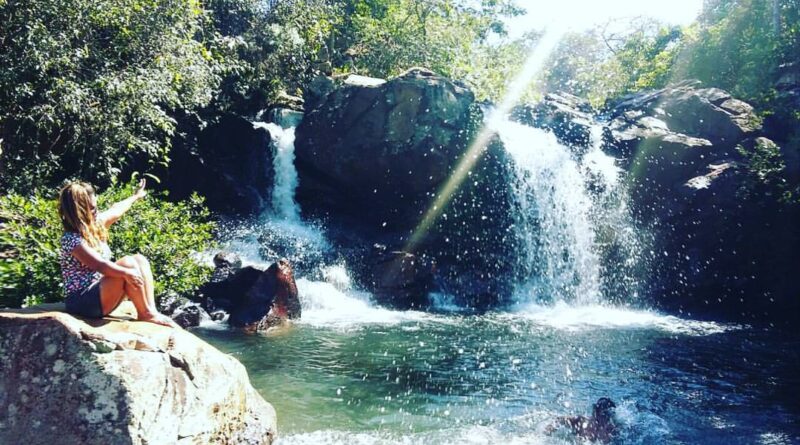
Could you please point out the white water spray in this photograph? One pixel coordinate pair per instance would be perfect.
(560, 203)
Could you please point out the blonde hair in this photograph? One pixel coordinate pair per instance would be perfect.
(75, 209)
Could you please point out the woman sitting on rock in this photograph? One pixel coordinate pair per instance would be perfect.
(93, 283)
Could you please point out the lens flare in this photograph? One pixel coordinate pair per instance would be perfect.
(544, 47)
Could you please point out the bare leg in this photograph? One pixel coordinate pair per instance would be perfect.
(147, 274)
(112, 292)
(145, 307)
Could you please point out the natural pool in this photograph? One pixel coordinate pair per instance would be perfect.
(353, 373)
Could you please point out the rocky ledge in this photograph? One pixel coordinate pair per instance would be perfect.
(119, 381)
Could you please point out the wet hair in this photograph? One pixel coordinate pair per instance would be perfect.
(603, 406)
(75, 209)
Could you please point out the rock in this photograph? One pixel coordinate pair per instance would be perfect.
(685, 108)
(287, 301)
(382, 144)
(189, 315)
(568, 117)
(249, 293)
(115, 381)
(400, 280)
(725, 253)
(231, 166)
(668, 136)
(724, 247)
(373, 155)
(225, 265)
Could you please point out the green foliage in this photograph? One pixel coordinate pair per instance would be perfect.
(763, 161)
(602, 64)
(740, 45)
(87, 86)
(168, 234)
(29, 244)
(383, 38)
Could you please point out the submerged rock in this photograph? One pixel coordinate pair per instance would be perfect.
(114, 381)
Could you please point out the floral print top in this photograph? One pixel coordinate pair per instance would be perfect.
(77, 277)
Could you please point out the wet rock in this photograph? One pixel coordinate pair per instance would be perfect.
(249, 293)
(189, 315)
(225, 265)
(121, 382)
(569, 118)
(231, 166)
(400, 280)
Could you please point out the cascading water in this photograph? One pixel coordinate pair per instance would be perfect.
(283, 204)
(566, 211)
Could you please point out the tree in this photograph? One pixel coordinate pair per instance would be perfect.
(87, 86)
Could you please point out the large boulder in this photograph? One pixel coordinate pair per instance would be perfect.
(231, 165)
(385, 145)
(668, 136)
(119, 381)
(373, 156)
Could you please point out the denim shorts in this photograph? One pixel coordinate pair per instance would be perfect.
(86, 303)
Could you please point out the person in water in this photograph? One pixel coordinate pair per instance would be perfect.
(599, 427)
(94, 284)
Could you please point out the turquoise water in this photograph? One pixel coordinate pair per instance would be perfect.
(381, 376)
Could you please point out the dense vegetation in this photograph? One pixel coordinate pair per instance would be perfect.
(169, 234)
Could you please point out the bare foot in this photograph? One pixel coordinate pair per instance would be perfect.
(160, 319)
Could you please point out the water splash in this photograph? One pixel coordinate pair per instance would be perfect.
(326, 306)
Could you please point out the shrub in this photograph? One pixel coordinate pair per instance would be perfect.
(169, 234)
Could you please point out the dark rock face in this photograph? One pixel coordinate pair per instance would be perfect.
(382, 144)
(399, 279)
(372, 157)
(568, 117)
(231, 166)
(248, 293)
(721, 248)
(679, 127)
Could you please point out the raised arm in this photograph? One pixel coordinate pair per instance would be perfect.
(113, 213)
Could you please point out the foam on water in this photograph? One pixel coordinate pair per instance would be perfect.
(326, 305)
(563, 316)
(635, 426)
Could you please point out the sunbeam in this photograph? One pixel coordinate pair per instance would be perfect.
(544, 47)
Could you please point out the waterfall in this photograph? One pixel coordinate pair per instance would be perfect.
(562, 207)
(284, 205)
